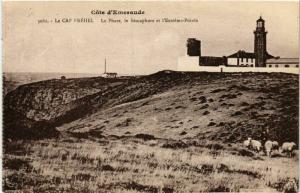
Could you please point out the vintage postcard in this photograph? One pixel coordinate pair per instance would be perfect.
(150, 96)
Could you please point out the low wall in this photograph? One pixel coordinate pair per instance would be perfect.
(191, 64)
(238, 69)
(248, 69)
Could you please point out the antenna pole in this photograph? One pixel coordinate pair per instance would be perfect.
(105, 66)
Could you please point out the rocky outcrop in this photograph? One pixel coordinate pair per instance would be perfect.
(41, 103)
(47, 100)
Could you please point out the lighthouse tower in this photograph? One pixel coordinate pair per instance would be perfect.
(260, 43)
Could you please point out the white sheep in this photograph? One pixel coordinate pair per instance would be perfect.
(247, 142)
(270, 146)
(288, 147)
(255, 145)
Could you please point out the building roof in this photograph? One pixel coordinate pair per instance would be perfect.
(283, 61)
(242, 54)
(260, 19)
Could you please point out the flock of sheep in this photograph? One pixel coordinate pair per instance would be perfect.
(287, 147)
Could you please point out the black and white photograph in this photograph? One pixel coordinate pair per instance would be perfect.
(150, 96)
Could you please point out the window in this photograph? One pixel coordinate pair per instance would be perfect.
(270, 66)
(297, 66)
(242, 59)
(251, 60)
(276, 66)
(259, 24)
(251, 65)
(286, 66)
(246, 59)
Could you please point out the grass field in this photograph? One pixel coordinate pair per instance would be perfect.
(139, 166)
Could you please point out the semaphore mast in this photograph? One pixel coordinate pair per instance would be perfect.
(104, 65)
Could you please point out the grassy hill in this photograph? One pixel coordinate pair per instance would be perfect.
(166, 132)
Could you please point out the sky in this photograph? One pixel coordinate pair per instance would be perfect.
(134, 48)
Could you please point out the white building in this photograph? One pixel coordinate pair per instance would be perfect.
(283, 63)
(109, 75)
(188, 63)
(241, 59)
